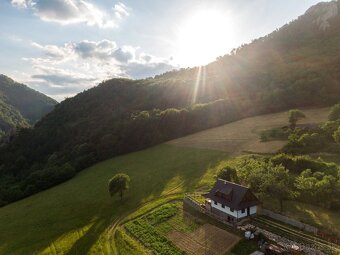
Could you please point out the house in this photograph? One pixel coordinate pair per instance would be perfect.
(230, 201)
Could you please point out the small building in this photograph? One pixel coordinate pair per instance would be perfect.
(230, 201)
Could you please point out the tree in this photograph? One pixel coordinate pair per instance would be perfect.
(118, 184)
(228, 173)
(336, 136)
(334, 113)
(277, 182)
(317, 187)
(294, 116)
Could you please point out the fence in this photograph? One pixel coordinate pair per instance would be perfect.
(192, 203)
(289, 221)
(189, 200)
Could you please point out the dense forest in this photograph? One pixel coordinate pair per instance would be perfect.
(20, 106)
(298, 65)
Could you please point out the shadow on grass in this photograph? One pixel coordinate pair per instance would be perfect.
(85, 243)
(74, 204)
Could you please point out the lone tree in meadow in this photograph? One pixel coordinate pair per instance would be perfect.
(294, 116)
(118, 184)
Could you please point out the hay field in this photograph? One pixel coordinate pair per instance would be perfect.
(243, 135)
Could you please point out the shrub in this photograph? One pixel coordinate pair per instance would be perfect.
(334, 113)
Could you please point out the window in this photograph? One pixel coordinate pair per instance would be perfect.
(223, 206)
(243, 210)
(215, 202)
(231, 209)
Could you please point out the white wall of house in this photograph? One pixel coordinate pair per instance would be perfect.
(241, 215)
(236, 214)
(226, 209)
(253, 210)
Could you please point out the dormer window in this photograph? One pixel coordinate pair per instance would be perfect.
(223, 195)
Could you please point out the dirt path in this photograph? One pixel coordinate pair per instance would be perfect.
(243, 135)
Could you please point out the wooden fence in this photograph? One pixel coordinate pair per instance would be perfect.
(289, 221)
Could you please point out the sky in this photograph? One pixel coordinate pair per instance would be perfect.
(62, 47)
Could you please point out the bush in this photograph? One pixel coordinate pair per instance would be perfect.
(274, 134)
(298, 164)
(334, 113)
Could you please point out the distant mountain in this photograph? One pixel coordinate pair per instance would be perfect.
(21, 106)
(297, 65)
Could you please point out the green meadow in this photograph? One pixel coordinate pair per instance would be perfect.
(74, 217)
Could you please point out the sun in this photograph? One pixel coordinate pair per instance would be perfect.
(205, 35)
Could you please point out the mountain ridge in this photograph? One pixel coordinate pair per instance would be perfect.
(20, 106)
(11, 89)
(322, 12)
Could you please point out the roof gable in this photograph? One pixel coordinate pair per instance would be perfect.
(232, 195)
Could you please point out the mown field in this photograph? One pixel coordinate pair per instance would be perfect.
(244, 135)
(74, 217)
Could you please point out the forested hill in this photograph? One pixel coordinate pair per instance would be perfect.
(295, 66)
(30, 103)
(20, 106)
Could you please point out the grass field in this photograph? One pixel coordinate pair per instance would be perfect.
(244, 135)
(73, 218)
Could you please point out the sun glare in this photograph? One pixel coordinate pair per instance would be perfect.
(204, 36)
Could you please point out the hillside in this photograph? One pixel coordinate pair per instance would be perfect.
(295, 66)
(75, 217)
(21, 106)
(9, 117)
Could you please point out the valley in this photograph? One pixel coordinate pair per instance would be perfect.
(76, 217)
(240, 151)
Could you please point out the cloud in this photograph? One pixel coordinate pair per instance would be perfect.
(67, 12)
(120, 10)
(124, 55)
(60, 77)
(20, 3)
(101, 49)
(64, 70)
(140, 71)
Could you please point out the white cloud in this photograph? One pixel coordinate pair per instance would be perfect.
(64, 70)
(67, 12)
(20, 3)
(120, 10)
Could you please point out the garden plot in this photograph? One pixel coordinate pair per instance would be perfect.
(207, 239)
(170, 230)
